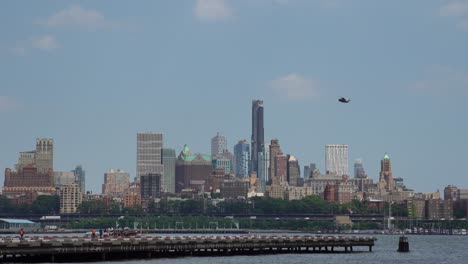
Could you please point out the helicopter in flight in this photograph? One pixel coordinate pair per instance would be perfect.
(344, 100)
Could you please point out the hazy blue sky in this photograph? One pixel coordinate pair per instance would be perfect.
(91, 74)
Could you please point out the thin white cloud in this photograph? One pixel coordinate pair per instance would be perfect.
(295, 87)
(8, 104)
(212, 10)
(442, 80)
(78, 17)
(45, 42)
(456, 8)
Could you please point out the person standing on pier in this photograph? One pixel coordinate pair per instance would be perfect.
(93, 233)
(100, 232)
(21, 233)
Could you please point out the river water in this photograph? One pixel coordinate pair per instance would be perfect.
(423, 249)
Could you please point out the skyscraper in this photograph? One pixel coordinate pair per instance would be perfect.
(80, 176)
(242, 158)
(281, 164)
(150, 185)
(70, 198)
(149, 152)
(257, 132)
(309, 169)
(359, 169)
(44, 154)
(263, 165)
(293, 171)
(274, 151)
(192, 170)
(218, 145)
(63, 178)
(116, 183)
(336, 159)
(169, 162)
(386, 176)
(34, 172)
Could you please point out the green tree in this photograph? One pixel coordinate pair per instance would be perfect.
(92, 207)
(5, 205)
(46, 204)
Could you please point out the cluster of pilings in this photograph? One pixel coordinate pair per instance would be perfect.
(69, 249)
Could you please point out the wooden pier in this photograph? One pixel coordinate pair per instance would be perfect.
(74, 249)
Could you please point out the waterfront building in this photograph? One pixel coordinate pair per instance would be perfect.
(297, 192)
(80, 176)
(293, 171)
(42, 158)
(149, 152)
(336, 159)
(263, 165)
(222, 163)
(150, 186)
(116, 183)
(257, 133)
(242, 159)
(28, 183)
(450, 192)
(235, 189)
(63, 178)
(169, 162)
(386, 181)
(416, 208)
(275, 189)
(214, 180)
(339, 191)
(218, 145)
(318, 182)
(44, 155)
(359, 171)
(26, 158)
(132, 199)
(309, 169)
(34, 173)
(275, 150)
(437, 209)
(191, 170)
(399, 183)
(281, 163)
(363, 184)
(462, 194)
(70, 198)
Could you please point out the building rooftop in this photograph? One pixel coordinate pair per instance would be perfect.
(186, 155)
(15, 221)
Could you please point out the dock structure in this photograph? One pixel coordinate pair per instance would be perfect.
(74, 249)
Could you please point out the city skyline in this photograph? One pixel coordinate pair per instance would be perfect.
(91, 76)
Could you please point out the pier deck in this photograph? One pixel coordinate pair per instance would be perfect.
(69, 249)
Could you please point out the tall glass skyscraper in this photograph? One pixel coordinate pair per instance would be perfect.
(80, 178)
(242, 158)
(336, 159)
(257, 132)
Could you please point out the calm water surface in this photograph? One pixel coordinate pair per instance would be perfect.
(423, 249)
